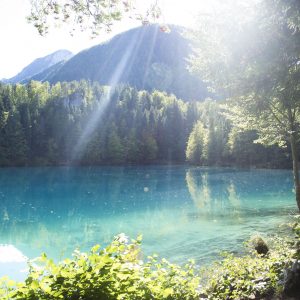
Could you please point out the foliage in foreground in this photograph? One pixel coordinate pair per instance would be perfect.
(250, 276)
(117, 272)
(254, 276)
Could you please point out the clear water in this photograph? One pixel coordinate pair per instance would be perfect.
(182, 212)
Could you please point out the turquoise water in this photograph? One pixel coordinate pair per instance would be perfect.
(182, 212)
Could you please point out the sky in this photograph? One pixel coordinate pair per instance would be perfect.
(21, 43)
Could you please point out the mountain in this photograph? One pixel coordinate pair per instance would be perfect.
(40, 65)
(144, 57)
(45, 74)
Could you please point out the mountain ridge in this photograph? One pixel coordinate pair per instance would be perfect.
(39, 65)
(143, 57)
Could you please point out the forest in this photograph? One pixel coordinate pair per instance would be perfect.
(85, 123)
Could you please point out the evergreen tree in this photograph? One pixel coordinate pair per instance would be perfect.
(197, 146)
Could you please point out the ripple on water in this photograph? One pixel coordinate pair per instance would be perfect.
(182, 212)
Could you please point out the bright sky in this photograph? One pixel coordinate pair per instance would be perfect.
(21, 43)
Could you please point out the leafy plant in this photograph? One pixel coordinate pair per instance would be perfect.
(118, 272)
(253, 276)
(115, 272)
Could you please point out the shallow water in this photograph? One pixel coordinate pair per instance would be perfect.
(182, 212)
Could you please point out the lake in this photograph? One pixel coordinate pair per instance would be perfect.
(182, 212)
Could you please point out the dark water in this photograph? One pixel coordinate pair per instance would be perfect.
(182, 212)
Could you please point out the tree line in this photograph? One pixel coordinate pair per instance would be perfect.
(85, 123)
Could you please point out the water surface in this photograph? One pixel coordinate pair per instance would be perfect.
(182, 212)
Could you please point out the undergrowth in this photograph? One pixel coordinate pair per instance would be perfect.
(118, 272)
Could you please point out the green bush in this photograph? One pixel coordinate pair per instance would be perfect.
(116, 272)
(252, 276)
(248, 277)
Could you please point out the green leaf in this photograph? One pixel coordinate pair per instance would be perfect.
(167, 292)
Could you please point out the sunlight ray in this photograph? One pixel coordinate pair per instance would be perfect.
(149, 56)
(123, 65)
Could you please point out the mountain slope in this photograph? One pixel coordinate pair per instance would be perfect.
(45, 74)
(40, 64)
(144, 57)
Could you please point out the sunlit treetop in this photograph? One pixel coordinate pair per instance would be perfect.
(251, 56)
(93, 16)
(245, 46)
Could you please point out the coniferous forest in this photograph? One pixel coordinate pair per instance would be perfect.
(85, 123)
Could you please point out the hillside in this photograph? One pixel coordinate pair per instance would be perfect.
(40, 65)
(45, 74)
(144, 57)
